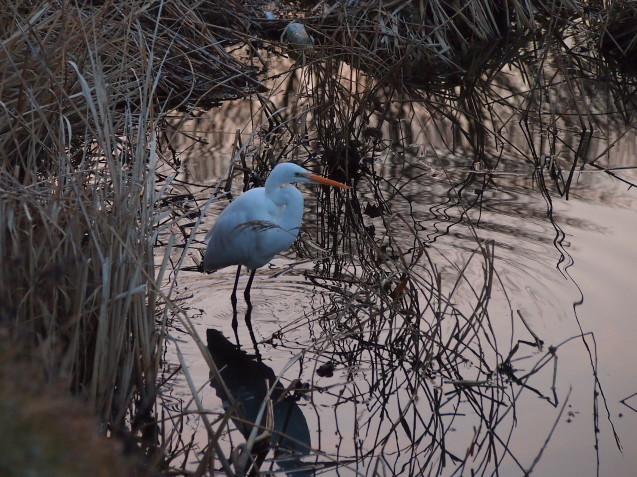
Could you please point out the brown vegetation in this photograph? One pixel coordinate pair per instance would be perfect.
(85, 88)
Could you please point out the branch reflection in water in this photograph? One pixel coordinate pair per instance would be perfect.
(428, 284)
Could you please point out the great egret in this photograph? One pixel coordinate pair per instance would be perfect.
(260, 223)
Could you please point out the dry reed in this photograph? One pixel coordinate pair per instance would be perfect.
(84, 89)
(84, 86)
(51, 53)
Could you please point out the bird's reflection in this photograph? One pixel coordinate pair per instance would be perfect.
(248, 381)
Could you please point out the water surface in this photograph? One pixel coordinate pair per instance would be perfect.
(505, 277)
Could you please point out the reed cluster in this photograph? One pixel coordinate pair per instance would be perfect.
(84, 87)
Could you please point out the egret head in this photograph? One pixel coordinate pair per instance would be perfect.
(288, 172)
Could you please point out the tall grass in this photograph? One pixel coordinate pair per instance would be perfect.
(84, 91)
(77, 201)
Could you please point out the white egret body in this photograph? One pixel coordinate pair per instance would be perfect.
(254, 228)
(260, 223)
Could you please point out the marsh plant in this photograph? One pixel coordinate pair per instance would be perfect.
(96, 102)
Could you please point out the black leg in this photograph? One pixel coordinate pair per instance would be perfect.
(233, 297)
(246, 293)
(233, 300)
(235, 326)
(248, 319)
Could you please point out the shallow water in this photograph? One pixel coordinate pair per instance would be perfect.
(374, 414)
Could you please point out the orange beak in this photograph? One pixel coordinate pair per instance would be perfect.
(326, 181)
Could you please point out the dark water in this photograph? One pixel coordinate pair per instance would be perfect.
(512, 348)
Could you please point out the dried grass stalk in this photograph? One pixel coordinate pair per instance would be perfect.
(45, 44)
(78, 294)
(420, 39)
